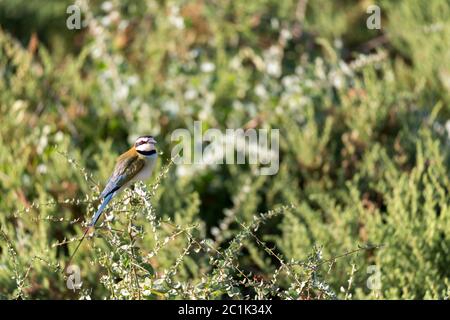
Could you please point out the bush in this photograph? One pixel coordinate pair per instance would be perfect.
(359, 208)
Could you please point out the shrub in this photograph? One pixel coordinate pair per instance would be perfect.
(359, 208)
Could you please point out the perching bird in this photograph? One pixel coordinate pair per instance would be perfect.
(134, 165)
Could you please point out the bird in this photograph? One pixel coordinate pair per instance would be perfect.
(134, 165)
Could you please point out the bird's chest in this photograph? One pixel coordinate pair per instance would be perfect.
(146, 171)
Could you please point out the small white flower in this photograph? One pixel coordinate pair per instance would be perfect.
(184, 171)
(107, 6)
(122, 92)
(207, 67)
(59, 136)
(175, 19)
(286, 34)
(132, 80)
(123, 24)
(290, 81)
(274, 23)
(215, 231)
(260, 91)
(106, 21)
(42, 169)
(272, 58)
(190, 94)
(147, 292)
(273, 68)
(171, 106)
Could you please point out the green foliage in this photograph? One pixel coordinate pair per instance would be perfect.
(359, 209)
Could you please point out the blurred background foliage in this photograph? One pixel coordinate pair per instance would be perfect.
(364, 151)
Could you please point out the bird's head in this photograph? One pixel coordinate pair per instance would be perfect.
(145, 145)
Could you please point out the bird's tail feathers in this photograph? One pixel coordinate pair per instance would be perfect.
(105, 202)
(76, 249)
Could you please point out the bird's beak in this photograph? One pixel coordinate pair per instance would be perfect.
(152, 141)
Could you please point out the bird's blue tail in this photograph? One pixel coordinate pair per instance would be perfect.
(105, 202)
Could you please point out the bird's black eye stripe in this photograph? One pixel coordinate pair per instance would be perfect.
(143, 140)
(138, 143)
(146, 153)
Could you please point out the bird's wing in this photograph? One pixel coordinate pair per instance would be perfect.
(128, 165)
